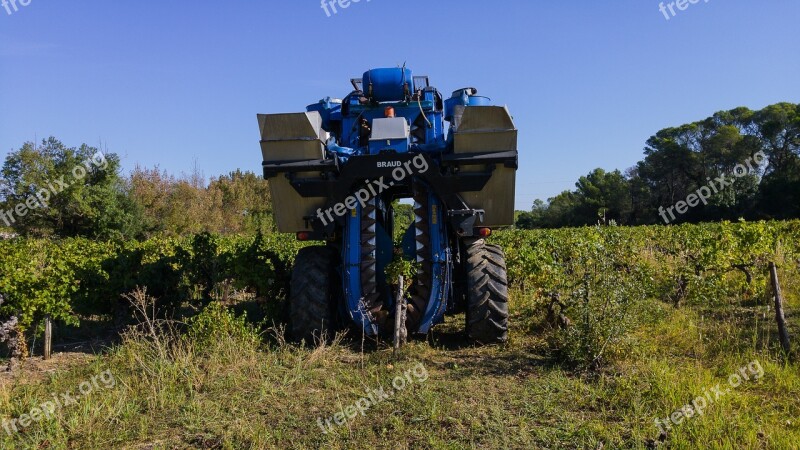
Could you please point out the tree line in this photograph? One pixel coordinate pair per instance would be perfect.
(680, 161)
(51, 190)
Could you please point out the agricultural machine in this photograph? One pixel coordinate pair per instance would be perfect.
(337, 170)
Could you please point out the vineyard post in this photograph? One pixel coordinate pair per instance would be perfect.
(779, 316)
(399, 314)
(48, 337)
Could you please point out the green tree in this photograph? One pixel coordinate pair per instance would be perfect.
(239, 202)
(561, 211)
(778, 128)
(246, 202)
(536, 218)
(604, 196)
(600, 197)
(53, 190)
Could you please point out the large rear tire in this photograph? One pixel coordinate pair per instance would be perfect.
(487, 292)
(312, 305)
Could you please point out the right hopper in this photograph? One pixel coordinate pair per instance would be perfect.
(481, 129)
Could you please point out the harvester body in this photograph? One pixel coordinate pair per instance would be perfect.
(335, 172)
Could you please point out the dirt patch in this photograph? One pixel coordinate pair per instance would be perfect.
(36, 369)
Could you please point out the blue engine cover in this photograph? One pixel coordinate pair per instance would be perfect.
(388, 85)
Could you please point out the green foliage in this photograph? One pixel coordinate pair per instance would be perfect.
(680, 160)
(202, 263)
(216, 323)
(600, 297)
(53, 190)
(403, 218)
(246, 203)
(597, 277)
(154, 264)
(64, 278)
(541, 259)
(239, 202)
(263, 265)
(687, 264)
(401, 267)
(42, 279)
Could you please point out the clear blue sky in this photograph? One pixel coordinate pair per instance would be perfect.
(179, 83)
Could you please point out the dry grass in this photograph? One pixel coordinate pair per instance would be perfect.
(173, 392)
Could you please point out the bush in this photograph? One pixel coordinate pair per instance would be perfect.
(600, 303)
(216, 324)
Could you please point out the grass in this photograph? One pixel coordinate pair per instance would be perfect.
(225, 392)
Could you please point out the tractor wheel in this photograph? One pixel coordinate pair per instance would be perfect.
(311, 295)
(487, 292)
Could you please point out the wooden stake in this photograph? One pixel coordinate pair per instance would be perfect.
(48, 337)
(779, 316)
(399, 315)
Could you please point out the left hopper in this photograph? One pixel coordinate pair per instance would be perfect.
(285, 138)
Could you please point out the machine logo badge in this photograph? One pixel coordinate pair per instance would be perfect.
(383, 164)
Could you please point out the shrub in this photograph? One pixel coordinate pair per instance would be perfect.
(217, 324)
(600, 302)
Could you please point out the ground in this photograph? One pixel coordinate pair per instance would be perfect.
(231, 392)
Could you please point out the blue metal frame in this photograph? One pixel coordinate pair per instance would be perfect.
(421, 106)
(441, 267)
(351, 274)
